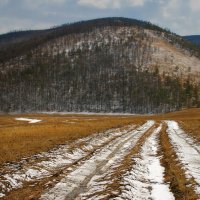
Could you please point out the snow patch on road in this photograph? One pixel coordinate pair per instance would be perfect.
(78, 179)
(188, 151)
(146, 179)
(30, 121)
(99, 182)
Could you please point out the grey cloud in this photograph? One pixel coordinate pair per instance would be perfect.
(181, 16)
(111, 4)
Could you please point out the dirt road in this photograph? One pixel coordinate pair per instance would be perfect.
(123, 163)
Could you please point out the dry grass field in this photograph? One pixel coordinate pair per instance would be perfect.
(188, 119)
(20, 139)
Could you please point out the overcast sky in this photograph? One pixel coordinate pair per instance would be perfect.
(180, 16)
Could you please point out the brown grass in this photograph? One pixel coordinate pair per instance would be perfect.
(36, 188)
(191, 127)
(188, 119)
(20, 139)
(193, 113)
(182, 188)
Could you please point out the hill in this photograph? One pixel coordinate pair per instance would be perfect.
(101, 65)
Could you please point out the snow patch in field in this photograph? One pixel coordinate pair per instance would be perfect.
(90, 113)
(188, 151)
(2, 195)
(146, 179)
(30, 121)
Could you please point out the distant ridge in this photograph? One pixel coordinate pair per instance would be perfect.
(78, 27)
(193, 38)
(19, 42)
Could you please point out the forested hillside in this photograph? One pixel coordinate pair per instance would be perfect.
(105, 65)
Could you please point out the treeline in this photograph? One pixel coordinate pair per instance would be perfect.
(106, 75)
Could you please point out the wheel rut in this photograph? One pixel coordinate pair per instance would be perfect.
(45, 167)
(76, 182)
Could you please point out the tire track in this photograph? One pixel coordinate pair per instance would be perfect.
(42, 166)
(187, 152)
(76, 182)
(146, 178)
(181, 187)
(107, 184)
